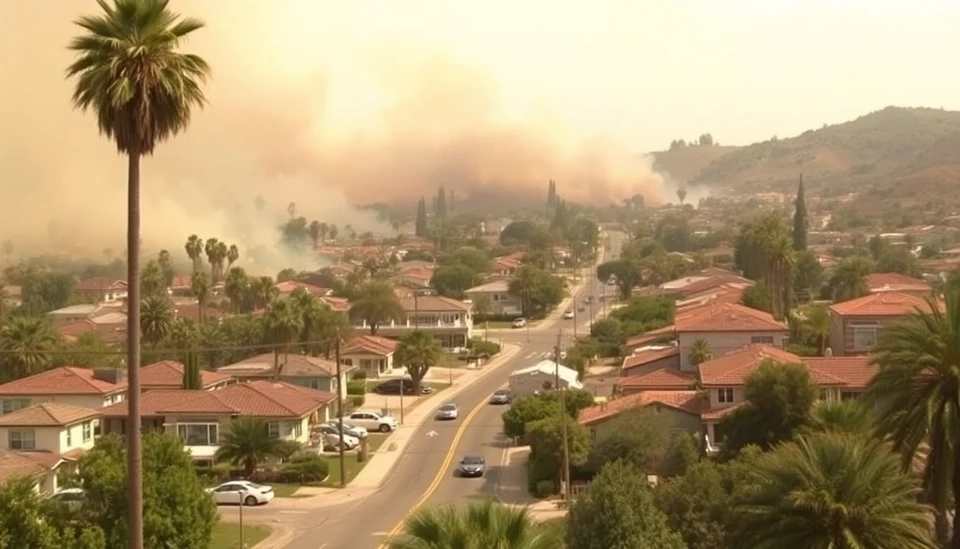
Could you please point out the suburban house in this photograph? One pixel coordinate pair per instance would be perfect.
(702, 282)
(501, 300)
(649, 358)
(108, 328)
(506, 265)
(305, 371)
(71, 385)
(413, 278)
(101, 289)
(42, 438)
(448, 320)
(543, 376)
(725, 327)
(372, 354)
(681, 407)
(855, 325)
(896, 282)
(287, 287)
(200, 417)
(168, 374)
(84, 311)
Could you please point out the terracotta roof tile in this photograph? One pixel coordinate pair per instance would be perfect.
(99, 284)
(168, 374)
(686, 401)
(646, 356)
(896, 282)
(66, 380)
(713, 414)
(338, 304)
(855, 371)
(434, 303)
(15, 464)
(661, 379)
(48, 414)
(161, 402)
(652, 335)
(882, 304)
(732, 368)
(289, 286)
(727, 317)
(292, 364)
(371, 344)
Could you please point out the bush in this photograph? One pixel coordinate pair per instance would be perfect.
(545, 488)
(356, 387)
(478, 320)
(359, 374)
(265, 476)
(357, 400)
(304, 468)
(218, 474)
(480, 347)
(288, 448)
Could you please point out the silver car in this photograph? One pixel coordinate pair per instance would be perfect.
(500, 396)
(448, 411)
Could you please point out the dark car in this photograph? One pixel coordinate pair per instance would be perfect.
(472, 466)
(500, 396)
(394, 386)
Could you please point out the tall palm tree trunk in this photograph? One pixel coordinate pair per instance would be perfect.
(134, 449)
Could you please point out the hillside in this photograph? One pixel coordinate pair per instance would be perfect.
(685, 163)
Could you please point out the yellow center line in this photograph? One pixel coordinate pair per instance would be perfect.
(441, 474)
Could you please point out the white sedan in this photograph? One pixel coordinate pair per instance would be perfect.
(448, 411)
(568, 315)
(241, 491)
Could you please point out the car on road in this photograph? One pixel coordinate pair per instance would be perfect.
(352, 430)
(519, 323)
(588, 299)
(472, 466)
(500, 396)
(71, 498)
(394, 386)
(332, 438)
(448, 411)
(373, 420)
(568, 315)
(237, 491)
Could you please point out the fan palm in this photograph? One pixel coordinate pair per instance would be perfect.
(418, 351)
(846, 416)
(247, 442)
(282, 324)
(917, 390)
(156, 319)
(700, 352)
(200, 287)
(479, 525)
(130, 73)
(830, 491)
(194, 249)
(376, 303)
(816, 324)
(27, 342)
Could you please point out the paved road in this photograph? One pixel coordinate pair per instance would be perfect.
(434, 447)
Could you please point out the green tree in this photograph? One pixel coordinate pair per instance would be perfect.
(478, 525)
(898, 259)
(618, 511)
(153, 280)
(841, 416)
(807, 275)
(200, 288)
(627, 272)
(156, 320)
(27, 343)
(376, 303)
(178, 512)
(538, 290)
(421, 228)
(763, 250)
(524, 411)
(191, 371)
(697, 505)
(194, 249)
(682, 195)
(816, 325)
(45, 292)
(800, 220)
(247, 443)
(282, 324)
(418, 351)
(917, 390)
(830, 490)
(454, 280)
(849, 279)
(27, 520)
(639, 437)
(700, 352)
(545, 437)
(130, 73)
(778, 398)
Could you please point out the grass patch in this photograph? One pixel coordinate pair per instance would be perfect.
(353, 467)
(281, 490)
(226, 535)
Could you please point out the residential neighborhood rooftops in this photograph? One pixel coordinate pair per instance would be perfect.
(21, 464)
(289, 286)
(169, 374)
(661, 379)
(370, 344)
(882, 304)
(727, 317)
(855, 371)
(647, 355)
(896, 282)
(687, 401)
(501, 285)
(732, 368)
(66, 380)
(434, 303)
(99, 284)
(291, 364)
(47, 414)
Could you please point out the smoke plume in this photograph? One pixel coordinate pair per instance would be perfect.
(320, 115)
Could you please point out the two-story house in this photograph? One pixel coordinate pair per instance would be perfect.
(372, 354)
(306, 371)
(287, 287)
(168, 374)
(897, 282)
(501, 300)
(101, 289)
(49, 435)
(200, 418)
(83, 387)
(725, 327)
(856, 325)
(448, 320)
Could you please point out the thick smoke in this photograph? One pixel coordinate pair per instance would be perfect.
(294, 116)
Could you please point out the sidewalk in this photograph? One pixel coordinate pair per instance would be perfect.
(511, 488)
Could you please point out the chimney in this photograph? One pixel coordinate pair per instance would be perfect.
(110, 375)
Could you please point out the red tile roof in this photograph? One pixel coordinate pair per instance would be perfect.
(289, 286)
(433, 303)
(896, 282)
(652, 335)
(291, 364)
(643, 357)
(21, 464)
(108, 333)
(732, 368)
(370, 344)
(67, 380)
(685, 401)
(726, 317)
(713, 414)
(661, 379)
(168, 374)
(99, 284)
(338, 304)
(48, 414)
(882, 304)
(855, 371)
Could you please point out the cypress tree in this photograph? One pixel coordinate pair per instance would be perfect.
(421, 226)
(191, 371)
(441, 203)
(453, 199)
(800, 220)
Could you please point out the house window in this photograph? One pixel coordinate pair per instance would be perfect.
(199, 434)
(298, 429)
(823, 394)
(273, 429)
(847, 395)
(346, 361)
(87, 431)
(725, 395)
(763, 340)
(22, 440)
(14, 404)
(864, 337)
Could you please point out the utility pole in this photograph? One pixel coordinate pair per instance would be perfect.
(343, 458)
(565, 474)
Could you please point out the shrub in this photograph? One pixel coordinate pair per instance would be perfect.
(359, 374)
(218, 474)
(480, 347)
(545, 488)
(357, 400)
(288, 448)
(304, 468)
(356, 387)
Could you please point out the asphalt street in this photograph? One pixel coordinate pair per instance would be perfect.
(435, 446)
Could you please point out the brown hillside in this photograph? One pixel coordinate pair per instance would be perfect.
(683, 164)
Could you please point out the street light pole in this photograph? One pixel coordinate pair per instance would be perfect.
(565, 474)
(343, 462)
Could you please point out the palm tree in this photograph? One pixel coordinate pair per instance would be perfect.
(3, 299)
(142, 90)
(262, 292)
(184, 333)
(314, 229)
(917, 391)
(816, 324)
(247, 442)
(311, 314)
(220, 256)
(841, 416)
(233, 254)
(700, 352)
(478, 525)
(682, 195)
(282, 324)
(849, 280)
(200, 288)
(833, 491)
(210, 249)
(194, 248)
(332, 232)
(236, 286)
(376, 303)
(418, 351)
(156, 320)
(780, 259)
(27, 343)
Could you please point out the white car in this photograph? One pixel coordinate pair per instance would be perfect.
(519, 323)
(72, 498)
(373, 420)
(448, 411)
(352, 430)
(241, 491)
(568, 315)
(332, 439)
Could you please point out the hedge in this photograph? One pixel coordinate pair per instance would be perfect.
(356, 387)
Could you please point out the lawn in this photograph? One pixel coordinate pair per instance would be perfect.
(353, 467)
(226, 535)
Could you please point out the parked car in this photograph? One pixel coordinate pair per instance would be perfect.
(448, 411)
(500, 396)
(588, 299)
(373, 420)
(71, 498)
(394, 386)
(568, 315)
(519, 323)
(332, 438)
(472, 466)
(237, 491)
(352, 430)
